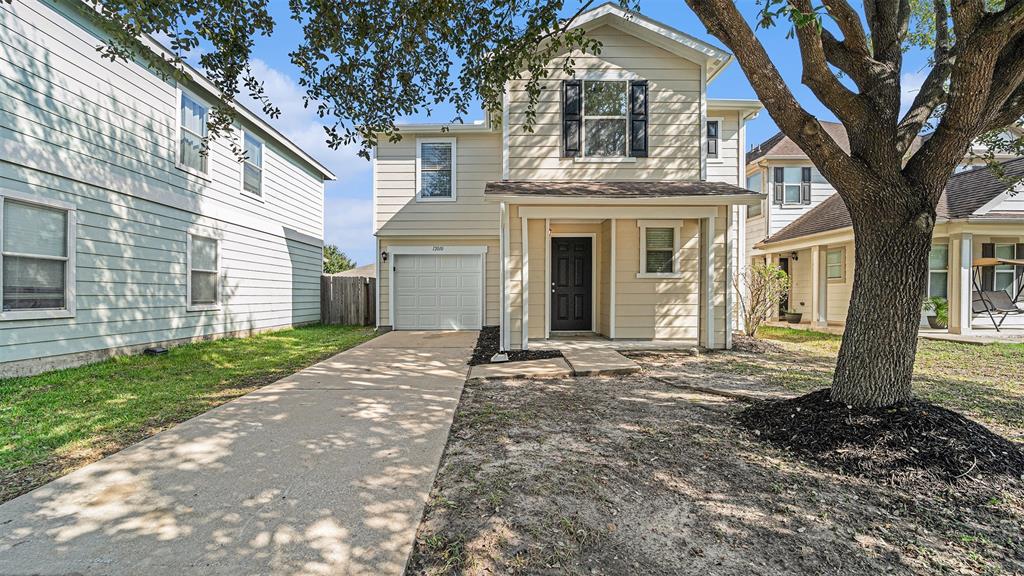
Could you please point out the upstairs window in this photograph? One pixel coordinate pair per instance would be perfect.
(203, 272)
(435, 169)
(37, 243)
(605, 121)
(791, 185)
(713, 137)
(191, 134)
(252, 166)
(754, 185)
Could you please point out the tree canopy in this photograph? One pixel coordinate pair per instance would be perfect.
(335, 260)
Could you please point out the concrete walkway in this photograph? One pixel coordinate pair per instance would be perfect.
(324, 472)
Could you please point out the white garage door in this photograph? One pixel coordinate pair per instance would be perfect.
(438, 292)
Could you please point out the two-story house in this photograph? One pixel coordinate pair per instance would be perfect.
(617, 215)
(117, 231)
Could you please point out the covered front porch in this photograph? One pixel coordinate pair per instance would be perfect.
(644, 269)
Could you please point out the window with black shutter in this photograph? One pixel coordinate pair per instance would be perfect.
(638, 118)
(712, 143)
(805, 185)
(572, 103)
(778, 185)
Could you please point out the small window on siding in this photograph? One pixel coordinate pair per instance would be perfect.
(792, 180)
(713, 138)
(835, 264)
(604, 118)
(938, 270)
(659, 250)
(37, 244)
(252, 166)
(435, 167)
(191, 133)
(754, 184)
(203, 272)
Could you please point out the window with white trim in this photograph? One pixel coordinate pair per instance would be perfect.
(605, 118)
(203, 272)
(938, 271)
(435, 169)
(1005, 277)
(792, 177)
(754, 184)
(835, 264)
(713, 127)
(252, 164)
(37, 243)
(192, 117)
(659, 248)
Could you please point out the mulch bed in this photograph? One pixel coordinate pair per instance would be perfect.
(912, 444)
(487, 345)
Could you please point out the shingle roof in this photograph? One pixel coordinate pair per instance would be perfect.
(613, 189)
(781, 145)
(964, 194)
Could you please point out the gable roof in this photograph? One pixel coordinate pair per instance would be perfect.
(965, 193)
(781, 145)
(657, 33)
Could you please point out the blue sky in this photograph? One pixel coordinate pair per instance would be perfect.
(348, 203)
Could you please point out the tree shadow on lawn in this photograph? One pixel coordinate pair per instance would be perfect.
(626, 475)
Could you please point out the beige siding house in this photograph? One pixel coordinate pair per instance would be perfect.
(618, 214)
(980, 220)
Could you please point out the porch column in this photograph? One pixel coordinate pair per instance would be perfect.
(819, 288)
(960, 287)
(525, 278)
(709, 282)
(611, 283)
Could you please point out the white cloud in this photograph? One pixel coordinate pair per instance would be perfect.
(910, 85)
(348, 206)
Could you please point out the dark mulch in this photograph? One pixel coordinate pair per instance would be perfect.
(915, 443)
(489, 341)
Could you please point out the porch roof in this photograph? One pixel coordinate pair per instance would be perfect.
(618, 189)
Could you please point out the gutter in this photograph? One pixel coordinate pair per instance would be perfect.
(627, 201)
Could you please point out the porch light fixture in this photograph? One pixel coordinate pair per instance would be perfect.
(793, 256)
(384, 256)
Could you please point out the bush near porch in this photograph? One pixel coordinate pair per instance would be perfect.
(53, 423)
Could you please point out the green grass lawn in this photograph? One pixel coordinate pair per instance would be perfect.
(981, 380)
(55, 422)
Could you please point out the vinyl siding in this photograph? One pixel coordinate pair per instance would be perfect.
(781, 216)
(478, 161)
(726, 167)
(837, 300)
(492, 277)
(674, 93)
(102, 136)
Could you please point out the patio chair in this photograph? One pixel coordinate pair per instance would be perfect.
(994, 303)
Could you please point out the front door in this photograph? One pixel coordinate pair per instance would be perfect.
(571, 284)
(784, 301)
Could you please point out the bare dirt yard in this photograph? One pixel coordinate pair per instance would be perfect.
(635, 475)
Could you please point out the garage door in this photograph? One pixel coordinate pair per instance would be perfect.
(438, 292)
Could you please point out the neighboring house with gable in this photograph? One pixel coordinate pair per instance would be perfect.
(618, 215)
(979, 215)
(117, 232)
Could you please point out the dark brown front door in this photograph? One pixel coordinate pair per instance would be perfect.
(571, 286)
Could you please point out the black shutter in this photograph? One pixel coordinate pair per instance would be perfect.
(712, 129)
(988, 273)
(571, 120)
(779, 186)
(638, 118)
(805, 185)
(1019, 255)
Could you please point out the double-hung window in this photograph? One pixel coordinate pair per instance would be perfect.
(435, 169)
(1005, 277)
(713, 127)
(835, 264)
(191, 134)
(754, 184)
(659, 248)
(252, 165)
(203, 272)
(938, 270)
(605, 118)
(791, 184)
(37, 248)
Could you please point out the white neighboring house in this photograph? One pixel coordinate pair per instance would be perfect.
(618, 215)
(116, 233)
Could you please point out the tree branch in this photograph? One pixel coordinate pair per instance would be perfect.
(933, 90)
(849, 24)
(723, 19)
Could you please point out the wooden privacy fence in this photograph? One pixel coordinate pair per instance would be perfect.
(348, 300)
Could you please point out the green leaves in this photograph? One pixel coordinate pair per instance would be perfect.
(335, 260)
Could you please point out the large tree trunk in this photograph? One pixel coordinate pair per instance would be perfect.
(893, 234)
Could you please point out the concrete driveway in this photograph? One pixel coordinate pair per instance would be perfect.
(324, 472)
